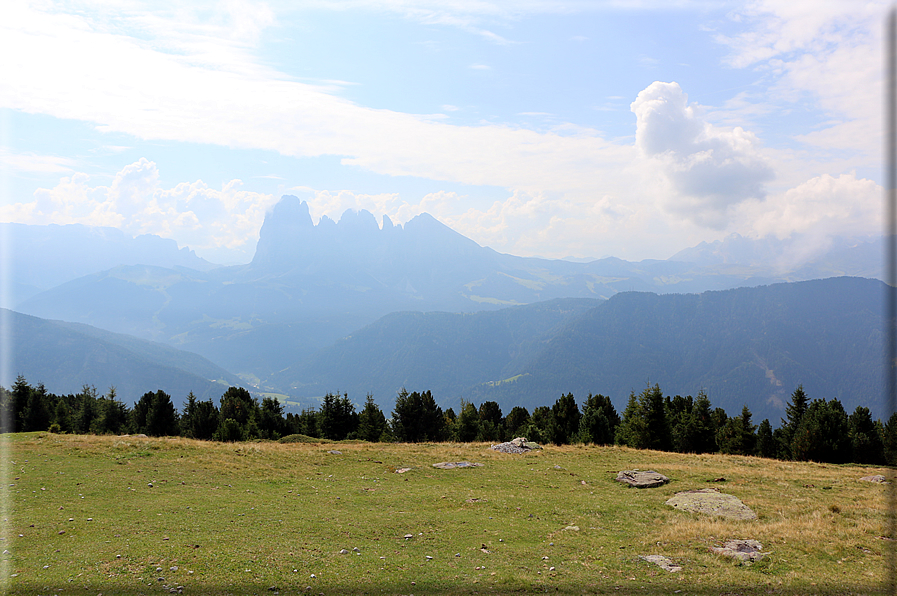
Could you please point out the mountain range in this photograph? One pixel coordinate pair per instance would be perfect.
(278, 322)
(66, 356)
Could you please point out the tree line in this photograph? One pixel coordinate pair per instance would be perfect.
(817, 430)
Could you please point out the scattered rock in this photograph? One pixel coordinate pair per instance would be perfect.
(402, 470)
(451, 465)
(720, 479)
(343, 551)
(517, 445)
(572, 528)
(642, 479)
(335, 452)
(710, 501)
(664, 563)
(877, 478)
(409, 536)
(475, 500)
(744, 550)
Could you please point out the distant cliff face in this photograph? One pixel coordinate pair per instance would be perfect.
(420, 252)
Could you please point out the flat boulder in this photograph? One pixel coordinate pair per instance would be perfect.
(709, 501)
(451, 465)
(642, 478)
(663, 562)
(516, 445)
(877, 478)
(746, 551)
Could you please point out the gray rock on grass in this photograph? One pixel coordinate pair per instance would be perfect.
(451, 465)
(663, 562)
(516, 445)
(746, 551)
(877, 478)
(709, 501)
(642, 478)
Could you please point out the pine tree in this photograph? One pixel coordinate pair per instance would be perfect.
(766, 445)
(565, 417)
(467, 426)
(866, 443)
(644, 424)
(599, 420)
(794, 414)
(371, 421)
(823, 434)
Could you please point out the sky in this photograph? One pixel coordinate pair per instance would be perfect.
(568, 128)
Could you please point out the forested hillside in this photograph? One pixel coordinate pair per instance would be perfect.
(66, 356)
(747, 346)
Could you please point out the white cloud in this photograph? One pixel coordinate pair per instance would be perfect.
(822, 206)
(221, 225)
(709, 169)
(31, 162)
(125, 86)
(827, 53)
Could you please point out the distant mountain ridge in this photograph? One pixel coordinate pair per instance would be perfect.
(309, 285)
(66, 356)
(43, 257)
(746, 346)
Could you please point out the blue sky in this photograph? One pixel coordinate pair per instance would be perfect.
(563, 128)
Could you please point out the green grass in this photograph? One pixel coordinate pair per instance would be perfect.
(244, 518)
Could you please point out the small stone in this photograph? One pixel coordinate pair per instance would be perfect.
(664, 563)
(71, 519)
(173, 568)
(744, 550)
(429, 558)
(46, 566)
(356, 549)
(409, 536)
(456, 554)
(313, 576)
(551, 568)
(118, 556)
(89, 519)
(544, 558)
(158, 569)
(343, 552)
(150, 484)
(60, 531)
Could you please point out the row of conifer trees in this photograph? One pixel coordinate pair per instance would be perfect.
(817, 430)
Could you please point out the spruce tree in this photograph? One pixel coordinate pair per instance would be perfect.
(794, 414)
(371, 421)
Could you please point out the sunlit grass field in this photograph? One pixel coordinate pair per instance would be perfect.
(128, 515)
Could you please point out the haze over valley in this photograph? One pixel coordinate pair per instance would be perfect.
(361, 308)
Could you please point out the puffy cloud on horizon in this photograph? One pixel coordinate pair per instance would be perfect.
(220, 225)
(709, 168)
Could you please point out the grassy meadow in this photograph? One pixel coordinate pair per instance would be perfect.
(127, 515)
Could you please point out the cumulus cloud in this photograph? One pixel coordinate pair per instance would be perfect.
(825, 53)
(220, 225)
(709, 168)
(823, 206)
